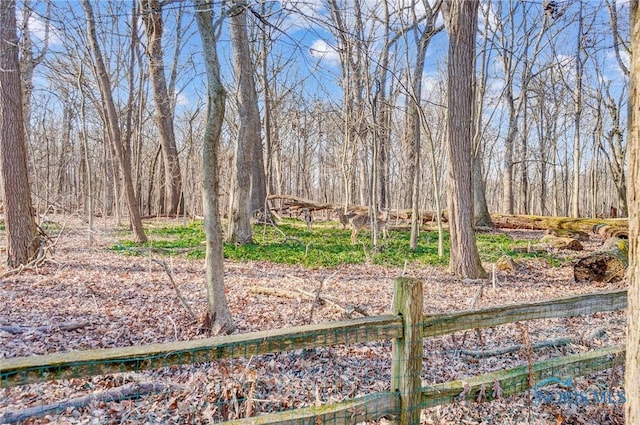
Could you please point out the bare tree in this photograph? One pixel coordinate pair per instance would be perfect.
(514, 54)
(461, 22)
(112, 122)
(218, 317)
(348, 27)
(422, 38)
(249, 166)
(30, 58)
(153, 24)
(577, 114)
(22, 235)
(481, 216)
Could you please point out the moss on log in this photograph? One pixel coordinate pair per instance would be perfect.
(601, 227)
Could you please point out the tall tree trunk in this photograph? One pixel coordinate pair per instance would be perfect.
(86, 159)
(415, 123)
(29, 59)
(218, 317)
(632, 369)
(248, 142)
(111, 117)
(153, 23)
(481, 216)
(461, 21)
(577, 113)
(267, 95)
(22, 235)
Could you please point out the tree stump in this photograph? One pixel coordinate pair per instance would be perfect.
(608, 264)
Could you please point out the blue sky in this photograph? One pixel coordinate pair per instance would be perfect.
(303, 40)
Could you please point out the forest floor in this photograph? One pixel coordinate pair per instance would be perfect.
(120, 300)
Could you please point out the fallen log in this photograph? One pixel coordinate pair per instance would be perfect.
(127, 391)
(610, 231)
(64, 327)
(607, 264)
(557, 242)
(553, 343)
(295, 205)
(600, 227)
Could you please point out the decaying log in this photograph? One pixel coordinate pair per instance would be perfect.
(587, 339)
(607, 264)
(576, 228)
(578, 235)
(559, 342)
(65, 326)
(601, 227)
(133, 390)
(557, 242)
(295, 205)
(611, 230)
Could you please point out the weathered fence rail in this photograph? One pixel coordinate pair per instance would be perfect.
(406, 327)
(25, 370)
(578, 305)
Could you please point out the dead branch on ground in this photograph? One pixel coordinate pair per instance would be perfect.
(301, 293)
(132, 390)
(66, 326)
(175, 287)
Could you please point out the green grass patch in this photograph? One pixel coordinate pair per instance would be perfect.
(326, 245)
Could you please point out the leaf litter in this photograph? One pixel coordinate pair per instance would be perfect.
(118, 300)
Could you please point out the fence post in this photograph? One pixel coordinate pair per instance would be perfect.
(406, 355)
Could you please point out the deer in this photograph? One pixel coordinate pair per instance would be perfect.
(308, 218)
(358, 222)
(342, 217)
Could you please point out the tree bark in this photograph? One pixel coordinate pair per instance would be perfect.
(250, 184)
(632, 369)
(111, 117)
(577, 114)
(22, 235)
(481, 216)
(218, 318)
(152, 18)
(461, 21)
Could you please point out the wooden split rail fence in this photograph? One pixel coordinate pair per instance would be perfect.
(406, 327)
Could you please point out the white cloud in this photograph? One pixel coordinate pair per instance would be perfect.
(431, 88)
(181, 99)
(612, 67)
(302, 14)
(487, 17)
(322, 50)
(38, 29)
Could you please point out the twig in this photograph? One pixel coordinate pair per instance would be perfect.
(476, 297)
(315, 301)
(175, 287)
(175, 328)
(41, 256)
(133, 390)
